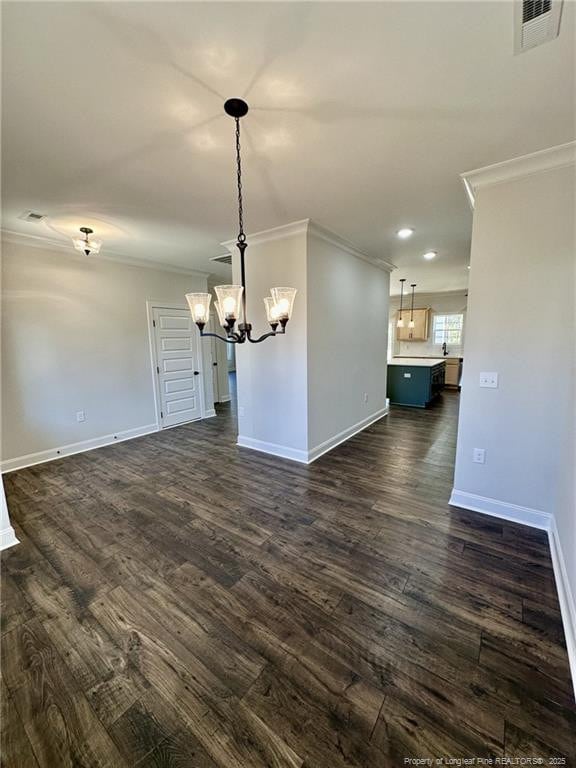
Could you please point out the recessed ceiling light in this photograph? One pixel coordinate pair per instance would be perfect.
(404, 233)
(430, 255)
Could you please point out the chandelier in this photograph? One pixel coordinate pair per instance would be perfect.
(231, 299)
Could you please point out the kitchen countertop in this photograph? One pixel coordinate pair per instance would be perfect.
(425, 362)
(431, 357)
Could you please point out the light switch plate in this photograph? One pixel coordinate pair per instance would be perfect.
(479, 455)
(489, 379)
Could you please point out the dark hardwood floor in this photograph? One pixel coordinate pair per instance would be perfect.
(178, 601)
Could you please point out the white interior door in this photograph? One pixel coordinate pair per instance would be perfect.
(177, 366)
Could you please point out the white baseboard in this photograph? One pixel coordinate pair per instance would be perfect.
(565, 597)
(9, 465)
(307, 457)
(546, 521)
(8, 538)
(487, 506)
(210, 413)
(294, 454)
(346, 434)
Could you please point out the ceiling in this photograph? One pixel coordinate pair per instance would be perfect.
(362, 117)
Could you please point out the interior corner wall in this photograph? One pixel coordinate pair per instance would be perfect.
(347, 341)
(75, 337)
(521, 324)
(272, 376)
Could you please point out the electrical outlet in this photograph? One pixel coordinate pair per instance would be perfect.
(489, 379)
(80, 416)
(365, 397)
(479, 455)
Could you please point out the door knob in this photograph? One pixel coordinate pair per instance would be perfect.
(214, 363)
(196, 373)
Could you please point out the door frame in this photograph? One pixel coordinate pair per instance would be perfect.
(214, 355)
(151, 305)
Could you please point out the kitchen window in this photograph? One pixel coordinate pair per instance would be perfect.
(447, 329)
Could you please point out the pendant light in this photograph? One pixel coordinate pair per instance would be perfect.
(400, 323)
(411, 323)
(231, 299)
(87, 244)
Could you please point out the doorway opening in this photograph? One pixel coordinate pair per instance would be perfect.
(223, 370)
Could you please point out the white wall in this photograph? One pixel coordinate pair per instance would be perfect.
(347, 339)
(75, 337)
(441, 304)
(272, 375)
(521, 323)
(300, 391)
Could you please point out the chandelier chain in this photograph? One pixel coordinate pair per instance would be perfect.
(241, 235)
(231, 304)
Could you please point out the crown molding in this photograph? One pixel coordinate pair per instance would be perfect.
(307, 226)
(39, 241)
(275, 233)
(525, 165)
(323, 233)
(454, 293)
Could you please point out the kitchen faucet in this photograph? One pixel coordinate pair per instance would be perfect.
(444, 350)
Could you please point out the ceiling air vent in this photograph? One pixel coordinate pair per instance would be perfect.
(226, 259)
(32, 217)
(536, 22)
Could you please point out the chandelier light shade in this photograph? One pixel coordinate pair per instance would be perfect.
(411, 322)
(221, 317)
(284, 301)
(231, 299)
(400, 323)
(199, 304)
(272, 312)
(87, 244)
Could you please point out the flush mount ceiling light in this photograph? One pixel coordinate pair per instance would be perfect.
(405, 232)
(87, 244)
(430, 255)
(231, 304)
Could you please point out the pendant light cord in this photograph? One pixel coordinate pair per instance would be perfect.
(241, 235)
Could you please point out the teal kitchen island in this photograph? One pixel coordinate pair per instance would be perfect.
(415, 381)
